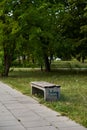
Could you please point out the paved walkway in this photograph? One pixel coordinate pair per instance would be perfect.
(19, 112)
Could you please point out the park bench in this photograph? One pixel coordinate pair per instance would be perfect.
(50, 92)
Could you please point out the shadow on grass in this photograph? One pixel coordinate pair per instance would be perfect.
(39, 73)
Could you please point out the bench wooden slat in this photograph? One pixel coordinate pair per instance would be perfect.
(43, 84)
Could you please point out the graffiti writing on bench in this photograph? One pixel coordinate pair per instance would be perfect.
(53, 93)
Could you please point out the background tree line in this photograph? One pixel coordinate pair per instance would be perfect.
(40, 30)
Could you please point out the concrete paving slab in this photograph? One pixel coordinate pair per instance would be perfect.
(73, 128)
(65, 124)
(12, 128)
(36, 123)
(22, 112)
(14, 106)
(5, 114)
(48, 113)
(26, 99)
(43, 128)
(24, 115)
(7, 118)
(29, 119)
(9, 123)
(57, 119)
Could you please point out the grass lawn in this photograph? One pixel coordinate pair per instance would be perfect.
(73, 98)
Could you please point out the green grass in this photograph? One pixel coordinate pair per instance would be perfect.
(69, 64)
(73, 98)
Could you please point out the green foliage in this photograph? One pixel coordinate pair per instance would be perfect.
(73, 26)
(42, 29)
(1, 63)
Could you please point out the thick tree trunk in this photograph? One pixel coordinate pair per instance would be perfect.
(6, 65)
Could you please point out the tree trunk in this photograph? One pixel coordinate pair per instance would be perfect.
(83, 59)
(41, 67)
(23, 58)
(6, 65)
(47, 64)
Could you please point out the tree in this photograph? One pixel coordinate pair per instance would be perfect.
(37, 22)
(39, 25)
(42, 29)
(72, 22)
(83, 41)
(9, 29)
